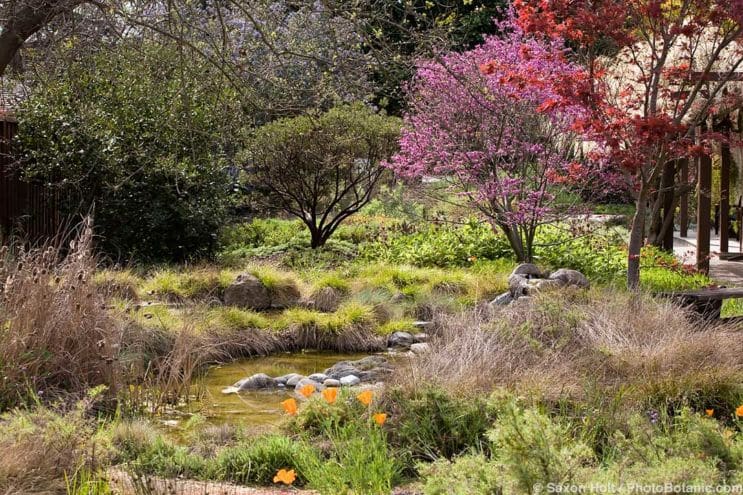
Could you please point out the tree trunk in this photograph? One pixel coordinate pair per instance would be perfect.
(636, 238)
(21, 22)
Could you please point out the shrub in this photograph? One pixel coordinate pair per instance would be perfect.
(471, 474)
(536, 449)
(43, 446)
(155, 134)
(360, 462)
(258, 460)
(431, 424)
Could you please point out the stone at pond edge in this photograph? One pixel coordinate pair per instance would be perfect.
(306, 381)
(284, 379)
(247, 292)
(400, 339)
(350, 380)
(293, 379)
(256, 382)
(420, 347)
(318, 377)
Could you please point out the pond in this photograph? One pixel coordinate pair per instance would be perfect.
(257, 409)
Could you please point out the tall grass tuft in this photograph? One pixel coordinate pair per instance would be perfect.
(56, 334)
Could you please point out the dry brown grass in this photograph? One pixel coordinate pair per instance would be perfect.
(565, 345)
(55, 332)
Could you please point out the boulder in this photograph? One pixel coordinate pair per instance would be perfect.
(527, 270)
(566, 277)
(341, 369)
(421, 337)
(503, 300)
(285, 296)
(327, 299)
(420, 347)
(350, 380)
(518, 285)
(400, 339)
(256, 382)
(247, 292)
(331, 383)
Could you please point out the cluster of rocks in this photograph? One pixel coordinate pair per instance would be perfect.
(527, 279)
(417, 344)
(371, 369)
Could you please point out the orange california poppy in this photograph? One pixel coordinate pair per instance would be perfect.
(307, 390)
(380, 418)
(709, 412)
(285, 477)
(290, 406)
(365, 397)
(330, 394)
(739, 411)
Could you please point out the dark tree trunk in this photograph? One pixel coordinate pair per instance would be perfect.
(24, 18)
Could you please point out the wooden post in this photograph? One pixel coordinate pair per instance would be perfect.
(725, 197)
(684, 200)
(704, 204)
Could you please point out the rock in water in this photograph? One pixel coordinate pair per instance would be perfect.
(247, 292)
(256, 382)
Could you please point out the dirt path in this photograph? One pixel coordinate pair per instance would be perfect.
(123, 484)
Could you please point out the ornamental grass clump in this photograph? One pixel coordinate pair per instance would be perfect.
(585, 347)
(56, 335)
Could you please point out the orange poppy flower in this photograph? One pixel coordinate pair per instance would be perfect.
(709, 412)
(307, 390)
(366, 396)
(285, 477)
(380, 418)
(290, 406)
(330, 394)
(739, 411)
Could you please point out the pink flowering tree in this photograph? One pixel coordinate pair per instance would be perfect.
(500, 135)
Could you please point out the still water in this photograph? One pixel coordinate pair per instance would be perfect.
(259, 409)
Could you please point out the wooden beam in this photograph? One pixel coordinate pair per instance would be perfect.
(725, 197)
(716, 76)
(704, 204)
(684, 200)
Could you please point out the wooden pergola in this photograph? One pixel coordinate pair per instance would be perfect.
(703, 166)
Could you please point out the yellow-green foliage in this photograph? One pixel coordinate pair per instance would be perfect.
(347, 316)
(274, 280)
(188, 283)
(404, 325)
(159, 317)
(233, 319)
(118, 283)
(334, 281)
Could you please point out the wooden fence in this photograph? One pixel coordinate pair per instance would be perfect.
(27, 210)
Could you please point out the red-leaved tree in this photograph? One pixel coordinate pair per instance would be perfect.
(491, 123)
(656, 71)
